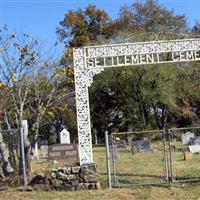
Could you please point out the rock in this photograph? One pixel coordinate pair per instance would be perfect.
(89, 173)
(66, 187)
(92, 186)
(81, 186)
(38, 179)
(88, 169)
(75, 182)
(56, 183)
(60, 169)
(98, 185)
(53, 175)
(72, 177)
(47, 179)
(76, 169)
(64, 170)
(62, 176)
(81, 180)
(86, 185)
(91, 178)
(54, 170)
(67, 170)
(69, 187)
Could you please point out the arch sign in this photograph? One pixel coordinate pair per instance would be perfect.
(91, 60)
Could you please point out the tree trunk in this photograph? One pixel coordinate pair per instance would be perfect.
(7, 121)
(142, 107)
(95, 136)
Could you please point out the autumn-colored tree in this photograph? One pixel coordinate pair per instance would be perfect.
(84, 26)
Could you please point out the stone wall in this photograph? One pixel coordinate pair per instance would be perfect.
(67, 178)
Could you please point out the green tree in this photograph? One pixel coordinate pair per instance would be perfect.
(145, 97)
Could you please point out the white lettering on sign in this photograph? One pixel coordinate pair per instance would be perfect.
(62, 148)
(142, 53)
(54, 154)
(143, 59)
(71, 153)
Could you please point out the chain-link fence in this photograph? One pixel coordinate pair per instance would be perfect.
(154, 157)
(10, 157)
(139, 158)
(184, 154)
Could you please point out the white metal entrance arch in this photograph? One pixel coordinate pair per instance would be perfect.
(89, 61)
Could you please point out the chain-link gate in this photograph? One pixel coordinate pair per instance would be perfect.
(10, 164)
(184, 145)
(139, 158)
(154, 157)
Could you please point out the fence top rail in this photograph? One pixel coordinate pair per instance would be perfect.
(132, 132)
(187, 128)
(151, 131)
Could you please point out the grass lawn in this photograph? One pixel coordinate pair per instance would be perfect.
(139, 163)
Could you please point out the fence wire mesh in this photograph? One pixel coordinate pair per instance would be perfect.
(139, 158)
(184, 154)
(9, 157)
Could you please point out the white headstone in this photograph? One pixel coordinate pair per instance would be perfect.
(194, 148)
(36, 154)
(64, 137)
(186, 137)
(44, 151)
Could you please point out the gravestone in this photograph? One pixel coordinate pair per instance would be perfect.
(194, 148)
(194, 141)
(36, 154)
(64, 137)
(186, 137)
(187, 155)
(44, 151)
(63, 152)
(141, 145)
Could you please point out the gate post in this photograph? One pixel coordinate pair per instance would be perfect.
(171, 157)
(108, 160)
(166, 165)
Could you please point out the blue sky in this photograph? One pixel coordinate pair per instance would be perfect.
(41, 17)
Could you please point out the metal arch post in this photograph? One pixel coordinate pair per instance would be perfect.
(83, 79)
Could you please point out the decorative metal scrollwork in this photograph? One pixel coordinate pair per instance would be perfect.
(83, 79)
(89, 61)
